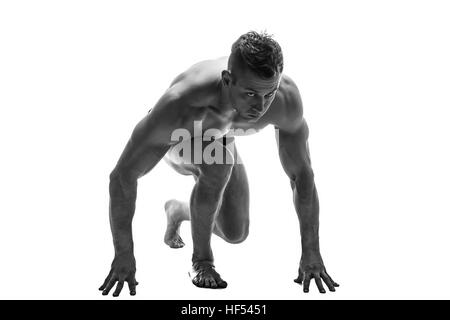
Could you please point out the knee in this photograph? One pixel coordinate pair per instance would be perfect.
(237, 239)
(236, 235)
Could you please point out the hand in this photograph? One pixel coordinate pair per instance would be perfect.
(123, 268)
(313, 268)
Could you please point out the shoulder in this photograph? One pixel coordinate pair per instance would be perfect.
(184, 100)
(197, 85)
(289, 105)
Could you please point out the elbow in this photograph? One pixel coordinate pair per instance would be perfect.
(113, 175)
(305, 173)
(122, 184)
(303, 182)
(122, 173)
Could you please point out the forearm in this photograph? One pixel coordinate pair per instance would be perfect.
(307, 207)
(121, 211)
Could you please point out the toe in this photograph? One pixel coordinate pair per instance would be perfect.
(179, 244)
(222, 284)
(174, 244)
(213, 284)
(200, 282)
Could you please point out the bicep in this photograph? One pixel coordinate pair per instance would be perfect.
(293, 150)
(137, 158)
(149, 141)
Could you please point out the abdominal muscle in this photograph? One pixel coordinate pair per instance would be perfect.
(203, 127)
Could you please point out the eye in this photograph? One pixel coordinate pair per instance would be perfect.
(250, 94)
(270, 94)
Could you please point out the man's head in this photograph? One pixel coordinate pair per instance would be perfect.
(254, 72)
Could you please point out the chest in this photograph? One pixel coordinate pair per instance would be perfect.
(207, 122)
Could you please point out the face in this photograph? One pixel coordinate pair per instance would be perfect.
(251, 95)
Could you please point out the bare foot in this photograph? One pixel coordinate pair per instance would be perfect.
(203, 275)
(174, 218)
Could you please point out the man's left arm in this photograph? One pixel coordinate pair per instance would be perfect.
(295, 159)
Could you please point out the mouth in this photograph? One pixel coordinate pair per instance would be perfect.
(250, 115)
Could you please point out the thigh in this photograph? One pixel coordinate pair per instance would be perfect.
(197, 156)
(234, 205)
(181, 157)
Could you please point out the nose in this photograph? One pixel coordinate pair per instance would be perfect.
(258, 105)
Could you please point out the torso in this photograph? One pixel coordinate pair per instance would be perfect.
(202, 111)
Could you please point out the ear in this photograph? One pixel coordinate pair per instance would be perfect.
(226, 77)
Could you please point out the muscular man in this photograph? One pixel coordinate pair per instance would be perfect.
(246, 91)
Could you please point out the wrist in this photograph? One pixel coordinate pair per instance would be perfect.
(124, 253)
(311, 256)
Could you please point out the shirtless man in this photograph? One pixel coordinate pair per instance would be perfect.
(246, 90)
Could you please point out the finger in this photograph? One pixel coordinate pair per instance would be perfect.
(319, 283)
(132, 286)
(118, 289)
(109, 286)
(332, 281)
(102, 287)
(299, 279)
(328, 281)
(307, 280)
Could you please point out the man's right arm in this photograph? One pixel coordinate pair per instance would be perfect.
(148, 143)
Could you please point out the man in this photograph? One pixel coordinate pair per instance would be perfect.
(245, 91)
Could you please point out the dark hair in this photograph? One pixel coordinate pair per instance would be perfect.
(259, 52)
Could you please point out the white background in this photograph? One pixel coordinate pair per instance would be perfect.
(75, 78)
